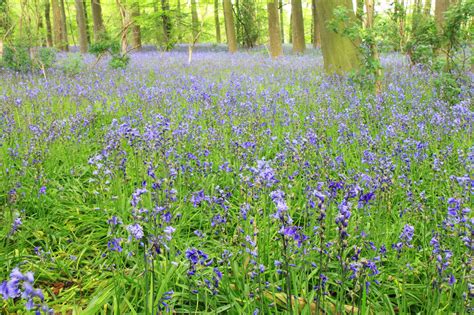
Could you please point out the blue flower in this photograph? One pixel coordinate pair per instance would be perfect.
(136, 230)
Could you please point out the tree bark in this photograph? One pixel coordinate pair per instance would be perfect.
(316, 36)
(64, 40)
(282, 21)
(99, 28)
(125, 25)
(194, 20)
(84, 4)
(47, 17)
(340, 54)
(274, 29)
(229, 26)
(216, 21)
(136, 32)
(81, 26)
(57, 25)
(298, 27)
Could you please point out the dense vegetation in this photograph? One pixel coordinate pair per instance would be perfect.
(148, 173)
(236, 185)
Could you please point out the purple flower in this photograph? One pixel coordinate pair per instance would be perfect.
(42, 191)
(407, 233)
(169, 230)
(15, 225)
(136, 230)
(114, 245)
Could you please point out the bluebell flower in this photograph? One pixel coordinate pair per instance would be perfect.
(136, 230)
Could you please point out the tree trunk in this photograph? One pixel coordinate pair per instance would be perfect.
(274, 29)
(229, 26)
(298, 27)
(136, 33)
(57, 24)
(88, 34)
(165, 17)
(194, 20)
(81, 26)
(99, 28)
(125, 24)
(216, 21)
(290, 29)
(64, 40)
(47, 17)
(340, 54)
(282, 21)
(315, 26)
(441, 6)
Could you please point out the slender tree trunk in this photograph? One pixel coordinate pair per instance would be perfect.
(298, 27)
(274, 29)
(340, 54)
(88, 33)
(57, 25)
(290, 29)
(99, 28)
(229, 26)
(194, 20)
(81, 26)
(125, 25)
(282, 21)
(136, 32)
(47, 17)
(165, 17)
(315, 23)
(216, 21)
(64, 40)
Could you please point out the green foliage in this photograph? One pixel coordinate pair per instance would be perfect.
(23, 58)
(247, 28)
(457, 32)
(443, 50)
(119, 61)
(112, 48)
(104, 46)
(423, 42)
(45, 57)
(17, 58)
(73, 64)
(365, 39)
